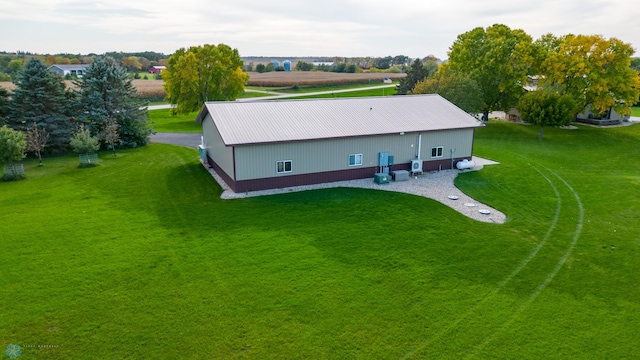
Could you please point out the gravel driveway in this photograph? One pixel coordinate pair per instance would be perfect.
(191, 140)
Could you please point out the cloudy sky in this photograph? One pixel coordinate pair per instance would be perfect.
(415, 28)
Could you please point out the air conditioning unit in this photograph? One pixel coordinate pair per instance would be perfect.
(416, 166)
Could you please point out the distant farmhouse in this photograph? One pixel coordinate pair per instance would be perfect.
(323, 63)
(156, 69)
(609, 117)
(73, 70)
(275, 144)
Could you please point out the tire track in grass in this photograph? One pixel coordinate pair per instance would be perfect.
(550, 276)
(504, 281)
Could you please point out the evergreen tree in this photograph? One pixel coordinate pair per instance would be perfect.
(107, 94)
(416, 73)
(4, 105)
(40, 97)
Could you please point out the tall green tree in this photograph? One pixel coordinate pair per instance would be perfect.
(203, 73)
(498, 59)
(303, 66)
(458, 88)
(417, 72)
(546, 108)
(106, 94)
(40, 96)
(593, 70)
(14, 67)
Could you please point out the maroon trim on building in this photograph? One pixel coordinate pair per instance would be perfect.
(227, 179)
(442, 164)
(283, 181)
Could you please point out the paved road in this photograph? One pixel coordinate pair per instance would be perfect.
(158, 107)
(284, 96)
(191, 140)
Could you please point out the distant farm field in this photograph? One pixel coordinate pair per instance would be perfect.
(7, 85)
(154, 88)
(306, 78)
(146, 88)
(150, 88)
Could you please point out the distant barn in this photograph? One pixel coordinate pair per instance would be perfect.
(156, 69)
(275, 144)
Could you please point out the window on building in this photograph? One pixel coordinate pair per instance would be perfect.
(283, 166)
(436, 152)
(355, 159)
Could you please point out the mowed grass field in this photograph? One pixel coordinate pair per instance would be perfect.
(140, 258)
(162, 121)
(316, 78)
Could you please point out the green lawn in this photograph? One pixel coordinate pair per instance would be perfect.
(308, 89)
(245, 95)
(358, 93)
(635, 111)
(163, 121)
(140, 258)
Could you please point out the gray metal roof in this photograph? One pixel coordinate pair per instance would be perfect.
(242, 123)
(70, 66)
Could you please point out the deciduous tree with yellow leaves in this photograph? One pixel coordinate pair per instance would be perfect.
(203, 73)
(596, 72)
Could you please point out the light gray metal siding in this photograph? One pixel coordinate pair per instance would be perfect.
(221, 154)
(460, 140)
(259, 161)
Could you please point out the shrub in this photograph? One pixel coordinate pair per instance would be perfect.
(12, 148)
(82, 141)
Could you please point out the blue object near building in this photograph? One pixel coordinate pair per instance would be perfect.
(380, 178)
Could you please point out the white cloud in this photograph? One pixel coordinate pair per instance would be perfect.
(331, 27)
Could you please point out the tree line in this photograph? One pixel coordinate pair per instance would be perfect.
(11, 64)
(492, 69)
(104, 105)
(392, 64)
